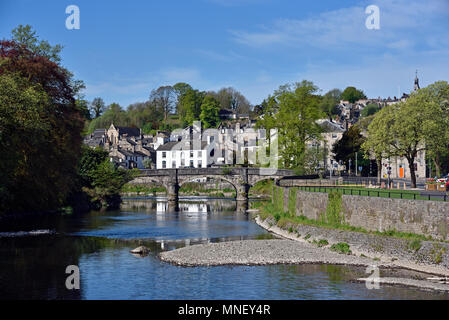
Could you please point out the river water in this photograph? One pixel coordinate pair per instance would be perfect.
(34, 257)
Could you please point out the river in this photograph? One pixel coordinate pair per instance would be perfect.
(34, 257)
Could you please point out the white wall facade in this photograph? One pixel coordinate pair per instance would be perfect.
(175, 159)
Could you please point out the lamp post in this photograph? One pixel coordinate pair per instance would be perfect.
(332, 168)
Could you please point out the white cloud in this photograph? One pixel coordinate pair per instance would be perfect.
(400, 21)
(174, 75)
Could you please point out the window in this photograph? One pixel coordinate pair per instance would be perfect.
(164, 154)
(191, 154)
(199, 154)
(191, 163)
(164, 164)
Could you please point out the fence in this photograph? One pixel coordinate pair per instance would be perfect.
(378, 193)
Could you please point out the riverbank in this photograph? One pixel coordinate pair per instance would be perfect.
(299, 251)
(423, 256)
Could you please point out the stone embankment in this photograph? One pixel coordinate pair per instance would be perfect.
(425, 256)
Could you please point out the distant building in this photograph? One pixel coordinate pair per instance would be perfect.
(126, 146)
(119, 133)
(400, 167)
(175, 155)
(96, 139)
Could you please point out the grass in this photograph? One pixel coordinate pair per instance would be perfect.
(437, 253)
(414, 245)
(321, 243)
(341, 247)
(262, 187)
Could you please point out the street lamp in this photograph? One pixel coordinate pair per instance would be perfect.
(332, 168)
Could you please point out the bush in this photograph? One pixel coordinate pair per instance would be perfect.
(321, 242)
(414, 245)
(341, 247)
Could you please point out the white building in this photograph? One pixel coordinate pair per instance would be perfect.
(175, 155)
(400, 167)
(332, 132)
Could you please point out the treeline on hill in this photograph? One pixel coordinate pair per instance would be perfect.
(168, 108)
(42, 115)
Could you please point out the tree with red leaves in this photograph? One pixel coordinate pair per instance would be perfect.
(40, 130)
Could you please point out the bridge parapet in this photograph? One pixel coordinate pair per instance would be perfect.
(217, 171)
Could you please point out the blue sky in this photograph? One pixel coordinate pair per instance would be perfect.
(123, 50)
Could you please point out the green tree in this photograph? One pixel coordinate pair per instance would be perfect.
(352, 94)
(298, 109)
(190, 106)
(404, 129)
(209, 112)
(232, 99)
(97, 107)
(100, 179)
(370, 109)
(330, 102)
(37, 99)
(180, 89)
(164, 98)
(27, 36)
(437, 143)
(346, 148)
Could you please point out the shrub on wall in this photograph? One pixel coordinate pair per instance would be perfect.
(292, 201)
(333, 210)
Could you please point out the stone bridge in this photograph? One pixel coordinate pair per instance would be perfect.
(240, 178)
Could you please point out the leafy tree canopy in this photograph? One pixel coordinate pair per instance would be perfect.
(352, 94)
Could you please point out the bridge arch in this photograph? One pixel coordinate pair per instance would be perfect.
(184, 180)
(149, 180)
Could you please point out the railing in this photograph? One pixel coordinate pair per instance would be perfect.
(377, 193)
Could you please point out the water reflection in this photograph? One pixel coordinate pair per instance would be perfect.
(184, 207)
(33, 267)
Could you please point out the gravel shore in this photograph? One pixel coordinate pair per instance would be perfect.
(260, 252)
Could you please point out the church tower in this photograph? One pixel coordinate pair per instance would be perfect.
(416, 86)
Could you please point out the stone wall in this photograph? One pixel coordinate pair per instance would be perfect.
(429, 218)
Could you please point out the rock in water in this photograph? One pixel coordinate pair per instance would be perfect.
(140, 250)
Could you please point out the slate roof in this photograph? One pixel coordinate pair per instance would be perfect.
(131, 132)
(179, 146)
